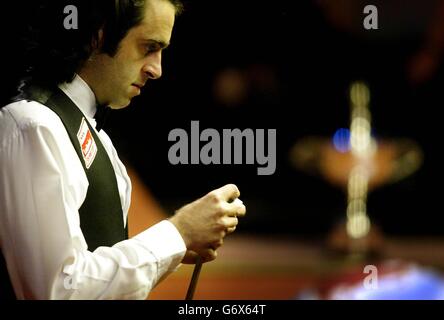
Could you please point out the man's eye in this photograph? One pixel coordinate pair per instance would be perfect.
(151, 48)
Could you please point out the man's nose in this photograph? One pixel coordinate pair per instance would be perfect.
(153, 65)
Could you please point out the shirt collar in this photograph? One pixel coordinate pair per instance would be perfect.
(82, 95)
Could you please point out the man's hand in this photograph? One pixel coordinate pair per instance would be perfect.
(206, 256)
(205, 222)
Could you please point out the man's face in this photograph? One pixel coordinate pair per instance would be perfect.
(116, 80)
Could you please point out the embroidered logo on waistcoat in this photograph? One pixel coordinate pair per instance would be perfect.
(87, 144)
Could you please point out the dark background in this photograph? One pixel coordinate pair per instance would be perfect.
(297, 61)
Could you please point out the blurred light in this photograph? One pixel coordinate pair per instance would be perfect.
(358, 226)
(341, 140)
(358, 184)
(356, 207)
(361, 112)
(230, 87)
(360, 139)
(363, 147)
(359, 94)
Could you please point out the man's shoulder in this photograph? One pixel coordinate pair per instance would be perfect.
(27, 114)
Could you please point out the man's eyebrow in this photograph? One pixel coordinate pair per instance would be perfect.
(160, 43)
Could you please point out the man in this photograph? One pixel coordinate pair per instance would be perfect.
(64, 193)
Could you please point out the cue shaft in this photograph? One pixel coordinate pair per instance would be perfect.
(194, 279)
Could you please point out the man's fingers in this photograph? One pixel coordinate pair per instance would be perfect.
(208, 255)
(190, 257)
(229, 222)
(229, 192)
(241, 209)
(235, 209)
(217, 244)
(231, 230)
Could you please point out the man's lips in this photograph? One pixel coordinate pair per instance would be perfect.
(140, 86)
(137, 88)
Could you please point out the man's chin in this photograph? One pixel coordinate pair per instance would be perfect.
(120, 105)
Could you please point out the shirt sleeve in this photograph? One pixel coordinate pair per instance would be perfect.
(40, 236)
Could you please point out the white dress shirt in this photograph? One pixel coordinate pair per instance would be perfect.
(42, 187)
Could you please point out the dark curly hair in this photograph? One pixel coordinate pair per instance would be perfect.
(53, 54)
